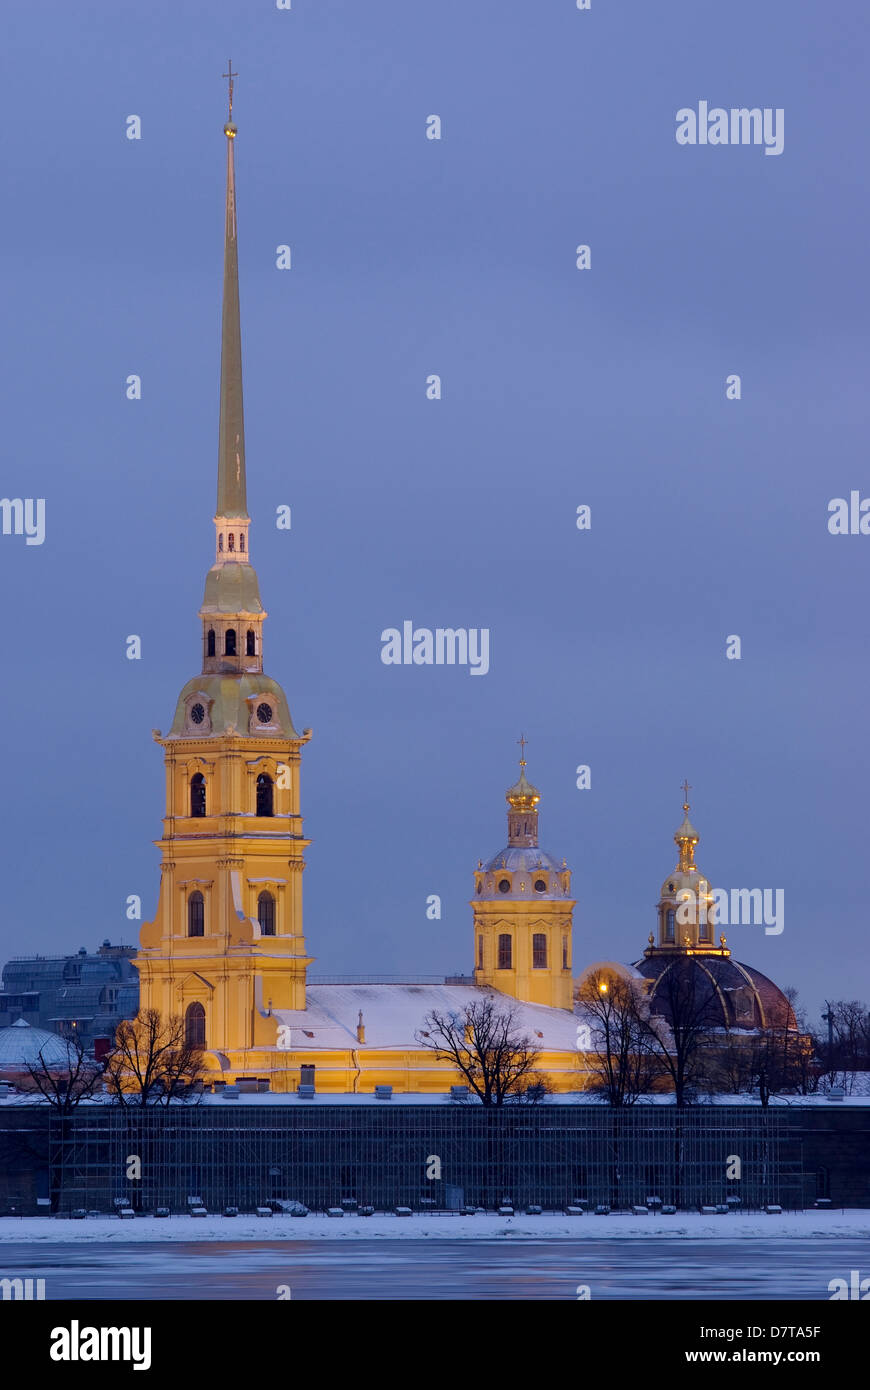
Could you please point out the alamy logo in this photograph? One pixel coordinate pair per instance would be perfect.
(855, 1288)
(22, 1288)
(741, 125)
(75, 1343)
(746, 907)
(24, 518)
(445, 646)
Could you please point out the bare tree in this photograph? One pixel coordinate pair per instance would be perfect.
(621, 1061)
(848, 1050)
(487, 1049)
(152, 1062)
(679, 1036)
(65, 1084)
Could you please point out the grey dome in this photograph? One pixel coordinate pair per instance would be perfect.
(519, 868)
(523, 857)
(22, 1044)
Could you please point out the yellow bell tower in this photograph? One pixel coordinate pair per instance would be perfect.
(226, 945)
(523, 911)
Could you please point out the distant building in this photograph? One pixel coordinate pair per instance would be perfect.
(85, 994)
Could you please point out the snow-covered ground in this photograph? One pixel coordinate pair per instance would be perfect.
(550, 1226)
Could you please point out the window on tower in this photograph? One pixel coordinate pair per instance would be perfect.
(197, 794)
(265, 795)
(196, 914)
(231, 543)
(221, 541)
(194, 1025)
(504, 952)
(564, 953)
(670, 923)
(480, 953)
(539, 951)
(210, 642)
(704, 927)
(251, 643)
(230, 642)
(241, 542)
(266, 914)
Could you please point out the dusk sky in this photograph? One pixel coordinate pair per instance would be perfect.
(561, 387)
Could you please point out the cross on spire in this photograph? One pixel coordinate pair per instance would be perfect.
(687, 787)
(522, 741)
(230, 74)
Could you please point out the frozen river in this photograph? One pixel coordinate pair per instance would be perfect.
(520, 1268)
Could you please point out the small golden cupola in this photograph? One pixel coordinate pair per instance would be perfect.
(685, 908)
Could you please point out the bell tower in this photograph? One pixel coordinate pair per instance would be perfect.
(523, 910)
(226, 945)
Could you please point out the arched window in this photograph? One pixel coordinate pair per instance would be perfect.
(194, 1025)
(564, 953)
(670, 922)
(480, 953)
(539, 951)
(251, 643)
(704, 928)
(230, 642)
(266, 914)
(196, 914)
(221, 541)
(231, 543)
(265, 798)
(504, 952)
(197, 794)
(241, 542)
(210, 642)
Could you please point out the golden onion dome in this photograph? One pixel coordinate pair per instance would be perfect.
(522, 796)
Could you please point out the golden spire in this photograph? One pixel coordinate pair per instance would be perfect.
(687, 836)
(232, 492)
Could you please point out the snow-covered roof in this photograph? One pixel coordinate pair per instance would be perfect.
(392, 1014)
(21, 1044)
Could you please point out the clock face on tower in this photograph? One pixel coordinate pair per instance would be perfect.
(197, 713)
(264, 713)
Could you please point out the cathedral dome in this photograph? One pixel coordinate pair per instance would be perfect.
(734, 995)
(22, 1044)
(522, 871)
(522, 857)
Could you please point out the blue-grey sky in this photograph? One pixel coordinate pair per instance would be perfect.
(560, 387)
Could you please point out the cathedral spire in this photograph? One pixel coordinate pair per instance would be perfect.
(231, 497)
(232, 612)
